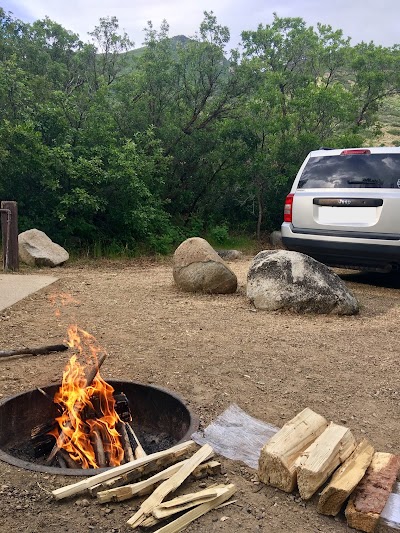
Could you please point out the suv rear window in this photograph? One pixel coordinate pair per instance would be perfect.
(352, 172)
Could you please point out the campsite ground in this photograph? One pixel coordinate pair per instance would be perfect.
(213, 351)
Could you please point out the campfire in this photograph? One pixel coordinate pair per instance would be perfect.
(92, 429)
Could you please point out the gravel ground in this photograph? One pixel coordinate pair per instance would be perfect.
(213, 351)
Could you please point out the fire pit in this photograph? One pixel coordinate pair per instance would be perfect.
(160, 418)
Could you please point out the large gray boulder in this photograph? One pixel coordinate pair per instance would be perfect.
(281, 279)
(37, 249)
(198, 268)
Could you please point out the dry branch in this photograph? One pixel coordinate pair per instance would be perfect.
(43, 350)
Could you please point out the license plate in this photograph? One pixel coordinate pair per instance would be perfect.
(356, 216)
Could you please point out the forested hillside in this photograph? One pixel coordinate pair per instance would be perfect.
(102, 146)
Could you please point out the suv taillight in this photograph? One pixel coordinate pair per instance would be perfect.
(287, 210)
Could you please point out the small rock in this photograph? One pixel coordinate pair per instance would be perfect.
(82, 503)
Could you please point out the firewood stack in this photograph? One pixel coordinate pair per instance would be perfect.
(158, 475)
(308, 450)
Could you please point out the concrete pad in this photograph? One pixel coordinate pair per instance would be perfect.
(15, 287)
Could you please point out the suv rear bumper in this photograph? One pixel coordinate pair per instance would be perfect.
(350, 252)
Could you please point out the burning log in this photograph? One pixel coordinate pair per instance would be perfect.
(42, 444)
(43, 429)
(99, 448)
(62, 437)
(43, 350)
(67, 459)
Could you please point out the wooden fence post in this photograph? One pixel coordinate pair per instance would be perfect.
(9, 231)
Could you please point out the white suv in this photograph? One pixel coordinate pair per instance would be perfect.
(344, 208)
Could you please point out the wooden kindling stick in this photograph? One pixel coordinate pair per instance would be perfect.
(81, 486)
(146, 469)
(129, 452)
(183, 521)
(141, 488)
(169, 486)
(139, 452)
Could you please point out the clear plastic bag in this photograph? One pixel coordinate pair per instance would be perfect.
(236, 435)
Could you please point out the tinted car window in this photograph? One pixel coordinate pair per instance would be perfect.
(352, 171)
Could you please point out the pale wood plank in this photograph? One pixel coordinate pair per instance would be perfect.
(322, 457)
(183, 521)
(187, 501)
(169, 485)
(345, 479)
(279, 454)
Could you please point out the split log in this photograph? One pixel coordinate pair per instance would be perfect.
(345, 479)
(67, 459)
(61, 462)
(187, 501)
(322, 457)
(98, 447)
(42, 444)
(139, 451)
(43, 350)
(170, 485)
(43, 429)
(277, 459)
(147, 486)
(183, 521)
(129, 454)
(85, 484)
(369, 499)
(144, 470)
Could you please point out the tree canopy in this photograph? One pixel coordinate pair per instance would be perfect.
(101, 144)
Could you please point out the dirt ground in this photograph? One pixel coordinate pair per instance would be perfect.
(213, 351)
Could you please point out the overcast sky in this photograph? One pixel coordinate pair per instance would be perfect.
(362, 20)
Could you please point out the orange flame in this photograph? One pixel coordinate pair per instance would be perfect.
(87, 407)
